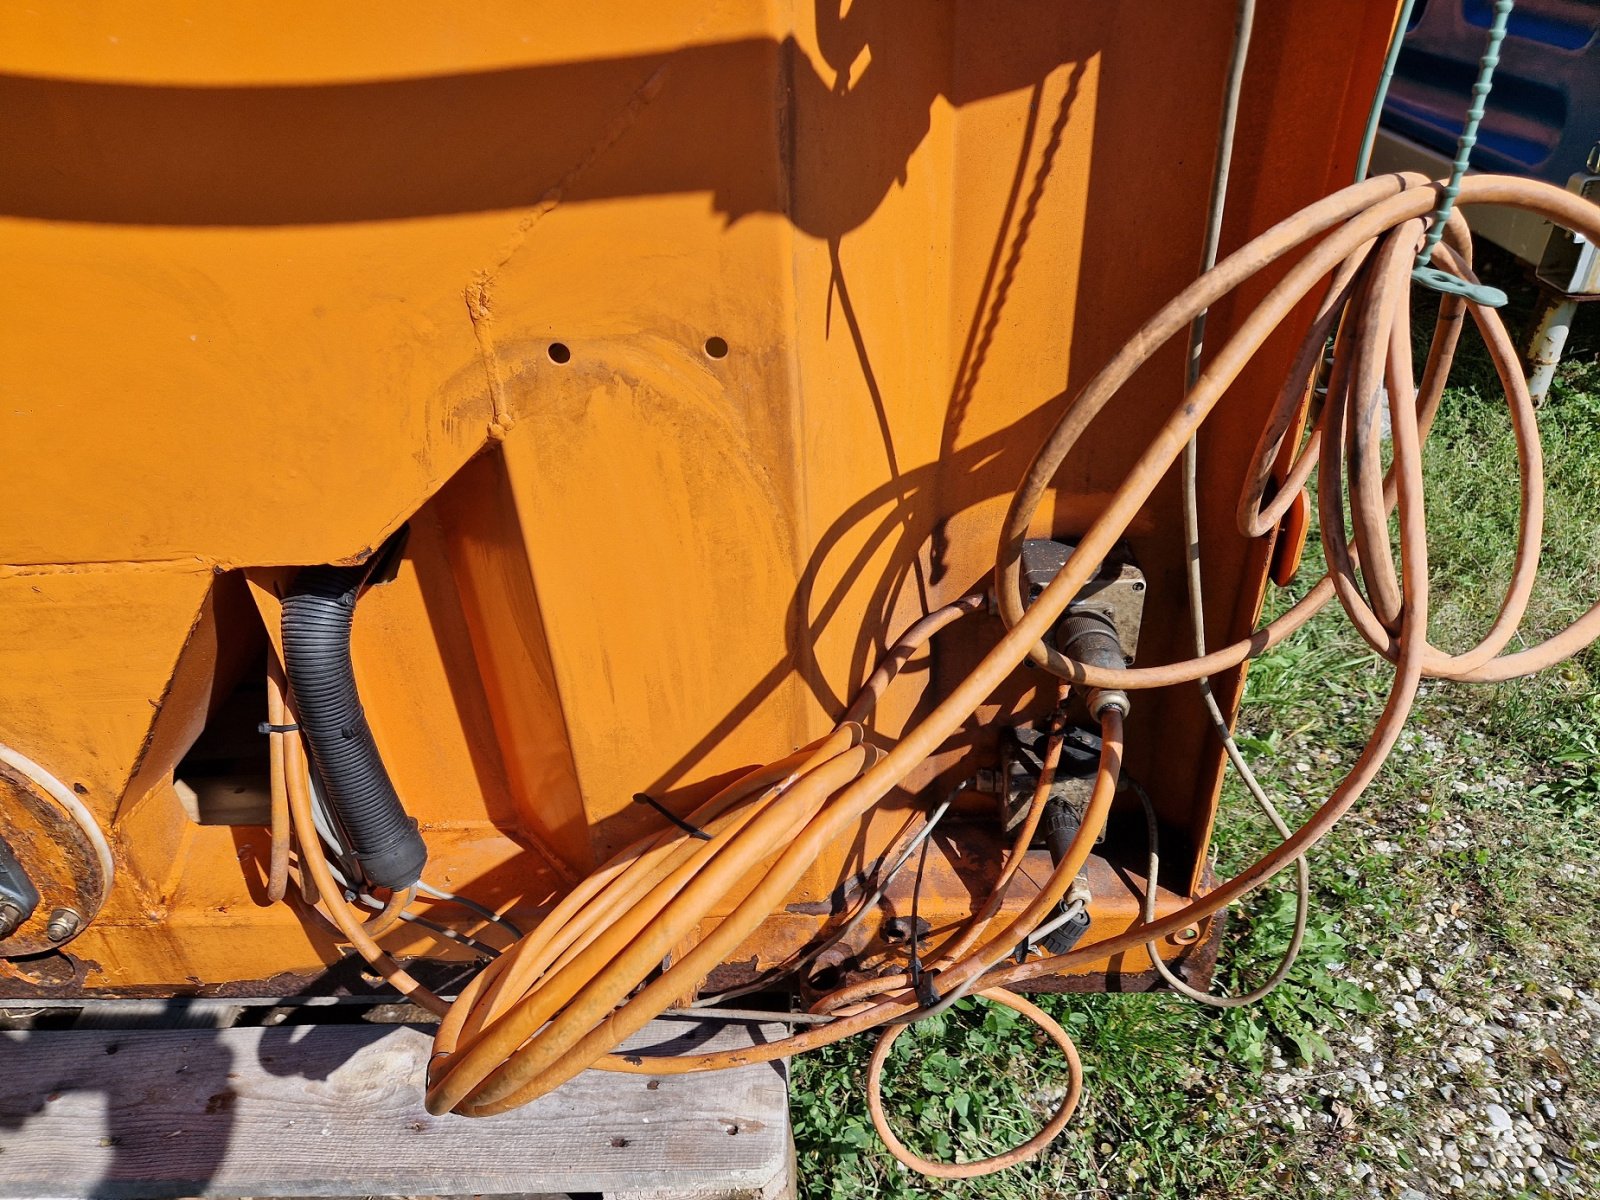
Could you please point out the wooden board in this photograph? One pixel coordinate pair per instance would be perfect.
(336, 1110)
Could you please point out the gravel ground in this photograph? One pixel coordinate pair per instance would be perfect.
(1475, 1075)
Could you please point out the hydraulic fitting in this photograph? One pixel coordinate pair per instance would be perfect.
(18, 895)
(1091, 639)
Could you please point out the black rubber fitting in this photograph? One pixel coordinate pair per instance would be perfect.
(318, 614)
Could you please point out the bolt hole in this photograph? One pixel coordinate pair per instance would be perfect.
(559, 352)
(829, 978)
(619, 1143)
(716, 347)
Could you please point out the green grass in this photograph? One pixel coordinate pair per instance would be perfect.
(1169, 1086)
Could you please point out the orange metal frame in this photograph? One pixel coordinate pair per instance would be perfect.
(282, 278)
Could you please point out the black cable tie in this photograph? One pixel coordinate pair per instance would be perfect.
(1020, 954)
(642, 798)
(927, 994)
(268, 727)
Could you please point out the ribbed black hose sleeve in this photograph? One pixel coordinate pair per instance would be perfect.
(318, 614)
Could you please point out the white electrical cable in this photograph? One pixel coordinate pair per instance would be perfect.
(866, 906)
(327, 830)
(484, 911)
(871, 901)
(1069, 912)
(480, 948)
(75, 808)
(321, 817)
(1191, 525)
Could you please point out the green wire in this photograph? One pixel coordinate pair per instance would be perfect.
(1423, 273)
(1375, 114)
(1469, 131)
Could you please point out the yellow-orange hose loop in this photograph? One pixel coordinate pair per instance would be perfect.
(1365, 498)
(638, 869)
(277, 715)
(1465, 667)
(471, 1014)
(516, 1048)
(1257, 520)
(999, 1162)
(1049, 895)
(1367, 209)
(1366, 220)
(912, 640)
(511, 980)
(1560, 207)
(623, 914)
(496, 990)
(332, 896)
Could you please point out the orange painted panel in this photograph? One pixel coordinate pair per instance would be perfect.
(700, 346)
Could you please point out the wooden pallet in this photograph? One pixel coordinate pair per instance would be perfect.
(335, 1110)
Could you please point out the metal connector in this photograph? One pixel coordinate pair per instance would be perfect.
(1091, 639)
(11, 918)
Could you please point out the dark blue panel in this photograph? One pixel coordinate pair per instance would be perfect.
(1563, 24)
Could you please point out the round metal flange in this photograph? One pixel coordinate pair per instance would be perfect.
(60, 857)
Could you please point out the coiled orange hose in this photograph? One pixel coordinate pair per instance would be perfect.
(587, 977)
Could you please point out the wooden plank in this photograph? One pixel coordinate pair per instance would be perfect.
(156, 1014)
(335, 1110)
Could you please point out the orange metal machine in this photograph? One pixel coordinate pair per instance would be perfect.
(664, 362)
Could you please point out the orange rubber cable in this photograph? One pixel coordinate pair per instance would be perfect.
(277, 717)
(590, 974)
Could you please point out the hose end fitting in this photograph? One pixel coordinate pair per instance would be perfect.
(1100, 699)
(1089, 638)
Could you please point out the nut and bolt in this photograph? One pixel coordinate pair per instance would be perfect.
(64, 923)
(11, 918)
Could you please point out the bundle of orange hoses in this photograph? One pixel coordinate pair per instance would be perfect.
(591, 973)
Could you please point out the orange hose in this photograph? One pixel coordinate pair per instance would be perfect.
(582, 981)
(1370, 210)
(1030, 1148)
(1367, 211)
(277, 715)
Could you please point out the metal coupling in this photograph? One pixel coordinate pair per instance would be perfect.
(1091, 639)
(11, 918)
(64, 924)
